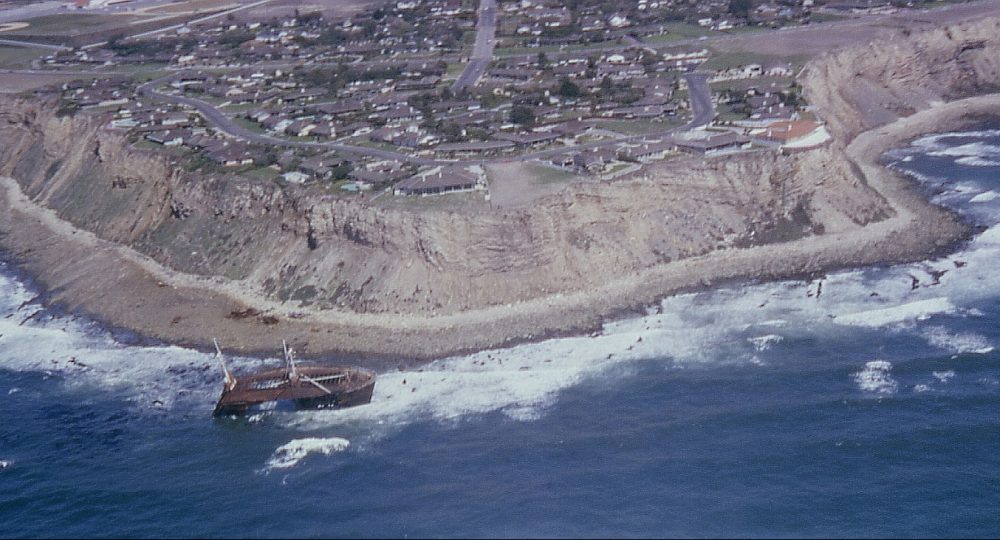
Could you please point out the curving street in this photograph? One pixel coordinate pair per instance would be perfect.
(482, 51)
(698, 89)
(225, 124)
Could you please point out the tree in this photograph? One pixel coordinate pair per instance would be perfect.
(741, 8)
(522, 115)
(542, 60)
(568, 88)
(342, 171)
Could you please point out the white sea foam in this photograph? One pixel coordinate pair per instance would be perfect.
(931, 144)
(913, 311)
(763, 343)
(975, 149)
(291, 453)
(4, 464)
(944, 376)
(876, 378)
(921, 388)
(975, 161)
(985, 196)
(957, 342)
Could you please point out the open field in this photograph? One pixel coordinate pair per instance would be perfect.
(71, 24)
(18, 57)
(637, 127)
(192, 6)
(515, 185)
(679, 30)
(728, 60)
(12, 83)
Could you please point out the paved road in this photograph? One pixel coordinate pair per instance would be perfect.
(700, 96)
(482, 51)
(17, 43)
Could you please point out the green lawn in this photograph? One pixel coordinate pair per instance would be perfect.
(638, 127)
(248, 124)
(454, 69)
(825, 17)
(19, 57)
(677, 31)
(543, 174)
(262, 173)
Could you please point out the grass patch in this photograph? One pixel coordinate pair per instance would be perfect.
(825, 17)
(198, 6)
(248, 124)
(544, 174)
(677, 31)
(729, 60)
(71, 24)
(18, 57)
(454, 70)
(637, 127)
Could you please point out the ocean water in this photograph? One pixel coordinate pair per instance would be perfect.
(865, 403)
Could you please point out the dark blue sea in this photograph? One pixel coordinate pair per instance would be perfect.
(865, 403)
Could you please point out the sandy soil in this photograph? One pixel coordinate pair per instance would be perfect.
(12, 83)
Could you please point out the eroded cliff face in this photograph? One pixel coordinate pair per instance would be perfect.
(321, 252)
(342, 253)
(867, 86)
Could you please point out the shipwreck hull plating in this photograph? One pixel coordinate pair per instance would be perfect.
(309, 387)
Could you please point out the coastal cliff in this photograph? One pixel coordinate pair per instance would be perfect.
(365, 278)
(295, 244)
(859, 88)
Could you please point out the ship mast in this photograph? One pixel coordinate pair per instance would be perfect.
(230, 380)
(293, 370)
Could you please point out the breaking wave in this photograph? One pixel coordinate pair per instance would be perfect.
(944, 376)
(291, 453)
(942, 144)
(957, 342)
(735, 325)
(876, 378)
(913, 311)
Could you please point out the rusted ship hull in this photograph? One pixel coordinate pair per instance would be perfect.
(361, 396)
(308, 387)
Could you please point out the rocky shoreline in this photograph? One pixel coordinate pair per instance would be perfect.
(83, 273)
